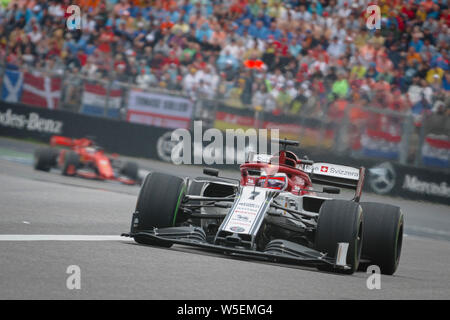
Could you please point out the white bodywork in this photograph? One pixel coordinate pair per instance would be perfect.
(333, 170)
(247, 212)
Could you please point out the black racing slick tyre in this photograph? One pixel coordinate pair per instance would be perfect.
(45, 159)
(340, 221)
(383, 236)
(130, 170)
(71, 163)
(158, 203)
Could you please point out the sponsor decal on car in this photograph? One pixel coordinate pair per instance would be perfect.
(333, 170)
(243, 218)
(246, 211)
(250, 182)
(237, 229)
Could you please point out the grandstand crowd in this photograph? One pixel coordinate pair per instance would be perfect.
(287, 57)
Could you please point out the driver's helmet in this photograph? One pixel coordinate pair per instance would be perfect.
(278, 181)
(91, 149)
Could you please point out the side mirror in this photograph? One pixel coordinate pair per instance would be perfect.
(211, 172)
(332, 190)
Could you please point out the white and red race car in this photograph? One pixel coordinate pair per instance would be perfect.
(274, 213)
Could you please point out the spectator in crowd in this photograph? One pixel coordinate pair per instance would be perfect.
(294, 57)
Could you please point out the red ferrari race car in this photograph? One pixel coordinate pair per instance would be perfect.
(275, 212)
(82, 157)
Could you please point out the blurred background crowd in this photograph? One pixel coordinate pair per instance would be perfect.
(296, 57)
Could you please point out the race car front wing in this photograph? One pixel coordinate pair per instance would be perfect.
(280, 251)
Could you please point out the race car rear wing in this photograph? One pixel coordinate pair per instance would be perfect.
(338, 176)
(61, 141)
(69, 142)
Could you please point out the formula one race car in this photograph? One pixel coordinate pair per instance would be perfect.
(82, 157)
(273, 213)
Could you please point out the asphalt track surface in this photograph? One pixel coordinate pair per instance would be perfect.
(49, 222)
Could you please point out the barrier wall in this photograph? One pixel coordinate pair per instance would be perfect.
(409, 182)
(17, 120)
(20, 121)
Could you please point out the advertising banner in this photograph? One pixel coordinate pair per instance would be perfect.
(436, 151)
(379, 144)
(159, 110)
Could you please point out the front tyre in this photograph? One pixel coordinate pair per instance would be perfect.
(383, 236)
(131, 170)
(158, 204)
(45, 159)
(340, 221)
(71, 163)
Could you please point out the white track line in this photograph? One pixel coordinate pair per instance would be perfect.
(60, 237)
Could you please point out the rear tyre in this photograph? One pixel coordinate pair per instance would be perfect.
(383, 236)
(45, 159)
(340, 221)
(131, 170)
(158, 203)
(71, 163)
